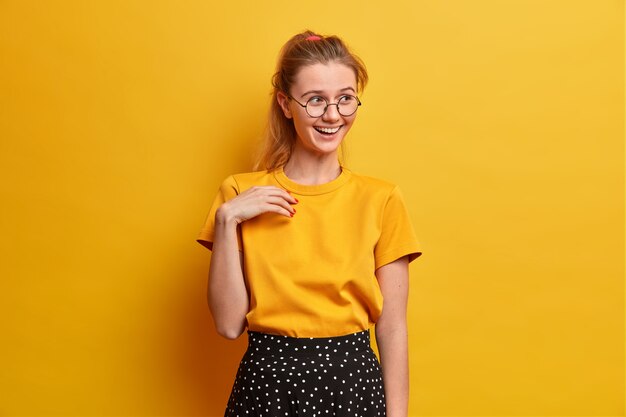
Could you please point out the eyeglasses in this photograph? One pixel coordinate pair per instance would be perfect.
(316, 106)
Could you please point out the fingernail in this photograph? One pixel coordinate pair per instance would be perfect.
(296, 199)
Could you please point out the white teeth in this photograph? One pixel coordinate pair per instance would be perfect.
(328, 129)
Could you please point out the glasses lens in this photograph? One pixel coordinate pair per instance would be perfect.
(316, 106)
(347, 105)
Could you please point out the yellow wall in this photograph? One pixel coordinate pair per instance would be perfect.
(502, 121)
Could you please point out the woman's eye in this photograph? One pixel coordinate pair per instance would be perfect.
(346, 99)
(317, 100)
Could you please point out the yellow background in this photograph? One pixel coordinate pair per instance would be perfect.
(502, 121)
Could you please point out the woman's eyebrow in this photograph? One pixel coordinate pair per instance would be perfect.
(321, 92)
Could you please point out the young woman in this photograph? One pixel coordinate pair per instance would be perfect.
(305, 251)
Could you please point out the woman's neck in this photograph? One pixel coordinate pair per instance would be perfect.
(312, 171)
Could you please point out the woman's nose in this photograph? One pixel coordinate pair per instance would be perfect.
(332, 112)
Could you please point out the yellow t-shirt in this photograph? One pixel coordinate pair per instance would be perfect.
(312, 275)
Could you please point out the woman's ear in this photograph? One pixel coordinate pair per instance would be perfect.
(283, 102)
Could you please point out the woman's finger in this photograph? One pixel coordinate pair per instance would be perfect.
(279, 209)
(273, 190)
(281, 202)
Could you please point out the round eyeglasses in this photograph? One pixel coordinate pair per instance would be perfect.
(316, 106)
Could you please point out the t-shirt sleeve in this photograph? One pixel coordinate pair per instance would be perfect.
(397, 237)
(229, 189)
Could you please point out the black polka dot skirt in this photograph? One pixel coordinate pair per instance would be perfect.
(287, 376)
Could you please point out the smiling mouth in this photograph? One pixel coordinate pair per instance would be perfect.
(327, 130)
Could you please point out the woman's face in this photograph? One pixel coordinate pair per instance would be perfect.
(320, 135)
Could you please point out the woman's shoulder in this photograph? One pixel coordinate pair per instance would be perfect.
(243, 180)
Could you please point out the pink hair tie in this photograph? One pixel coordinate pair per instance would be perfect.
(313, 38)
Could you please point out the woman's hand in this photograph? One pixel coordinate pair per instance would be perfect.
(254, 201)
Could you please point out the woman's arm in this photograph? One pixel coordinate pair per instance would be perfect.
(392, 337)
(227, 292)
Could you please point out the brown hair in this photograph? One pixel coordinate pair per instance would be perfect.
(298, 52)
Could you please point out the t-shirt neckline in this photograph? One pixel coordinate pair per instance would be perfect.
(305, 189)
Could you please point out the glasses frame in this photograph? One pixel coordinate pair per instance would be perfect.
(327, 104)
